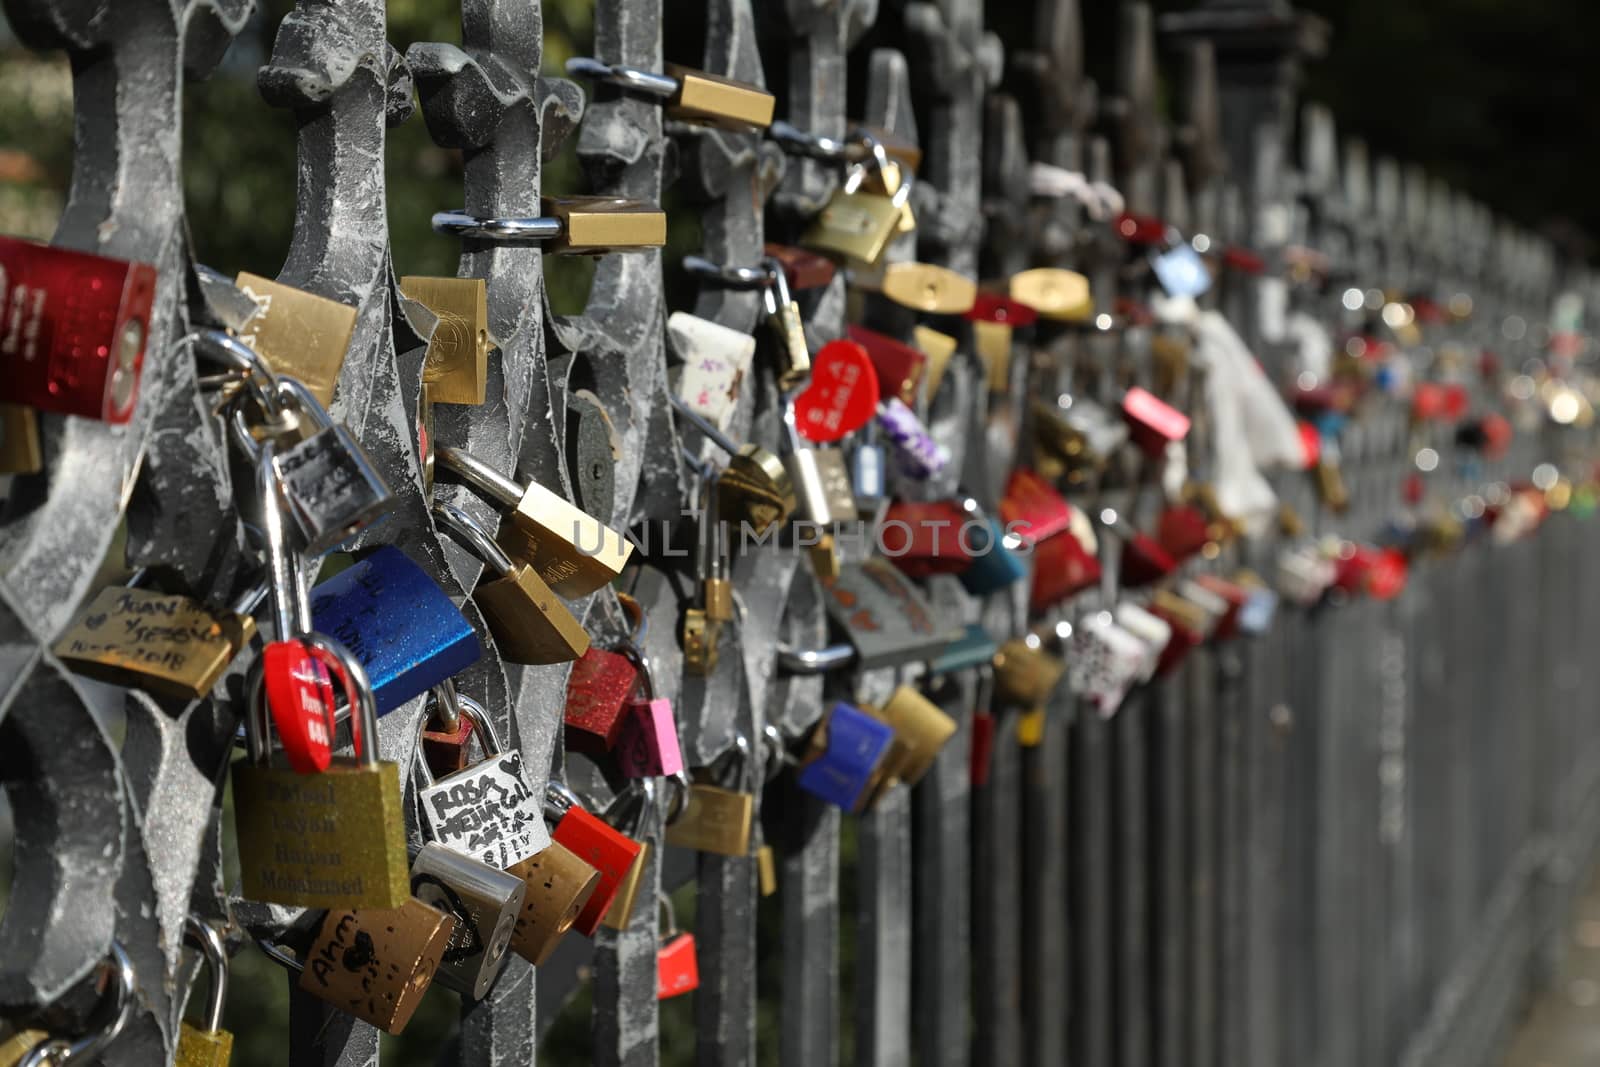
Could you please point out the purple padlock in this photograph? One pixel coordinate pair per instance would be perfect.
(648, 747)
(919, 455)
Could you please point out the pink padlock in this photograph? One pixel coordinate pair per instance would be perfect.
(649, 745)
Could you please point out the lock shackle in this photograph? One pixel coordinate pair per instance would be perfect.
(737, 759)
(505, 231)
(60, 1052)
(226, 350)
(631, 806)
(278, 955)
(679, 784)
(777, 753)
(877, 158)
(447, 704)
(559, 799)
(664, 905)
(474, 713)
(291, 600)
(334, 656)
(797, 142)
(725, 276)
(469, 533)
(203, 936)
(718, 438)
(303, 401)
(808, 661)
(623, 77)
(478, 474)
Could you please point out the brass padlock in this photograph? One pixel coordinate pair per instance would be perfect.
(1169, 359)
(15, 1048)
(922, 726)
(1030, 727)
(591, 225)
(767, 870)
(298, 333)
(824, 554)
(710, 100)
(1331, 489)
(375, 963)
(326, 840)
(754, 488)
(701, 635)
(31, 1047)
(20, 449)
(628, 813)
(855, 226)
(558, 884)
(993, 343)
(574, 552)
(456, 368)
(210, 1046)
(1060, 295)
(940, 348)
(1024, 673)
(715, 818)
(837, 488)
(927, 287)
(167, 645)
(529, 623)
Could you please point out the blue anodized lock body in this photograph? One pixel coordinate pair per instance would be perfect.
(398, 623)
(856, 744)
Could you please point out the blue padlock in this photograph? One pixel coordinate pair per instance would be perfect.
(994, 566)
(405, 631)
(974, 648)
(1181, 271)
(842, 773)
(1256, 613)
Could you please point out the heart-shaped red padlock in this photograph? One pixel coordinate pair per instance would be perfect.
(842, 396)
(300, 697)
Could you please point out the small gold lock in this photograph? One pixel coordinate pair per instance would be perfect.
(298, 333)
(767, 870)
(824, 557)
(927, 287)
(1194, 619)
(1061, 295)
(718, 595)
(456, 370)
(993, 342)
(1290, 524)
(529, 622)
(1169, 358)
(757, 488)
(376, 963)
(20, 450)
(595, 224)
(1025, 674)
(621, 911)
(1030, 728)
(714, 820)
(16, 1047)
(709, 100)
(795, 362)
(558, 885)
(1330, 486)
(168, 645)
(856, 226)
(700, 638)
(939, 348)
(212, 1046)
(924, 728)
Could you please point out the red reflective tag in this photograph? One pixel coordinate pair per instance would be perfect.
(842, 396)
(301, 700)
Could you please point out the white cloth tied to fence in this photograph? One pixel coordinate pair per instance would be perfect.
(1099, 199)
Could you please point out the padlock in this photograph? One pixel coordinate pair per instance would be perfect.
(1058, 295)
(210, 1045)
(995, 319)
(899, 366)
(837, 490)
(783, 313)
(1260, 606)
(1169, 362)
(485, 810)
(328, 840)
(1233, 595)
(973, 648)
(299, 334)
(571, 550)
(21, 451)
(701, 637)
(981, 749)
(940, 348)
(1304, 574)
(716, 360)
(593, 225)
(927, 287)
(925, 538)
(1078, 430)
(597, 694)
(73, 328)
(996, 564)
(869, 468)
(609, 852)
(1024, 673)
(168, 645)
(629, 812)
(888, 621)
(842, 395)
(1331, 488)
(917, 454)
(484, 901)
(855, 225)
(1182, 531)
(375, 963)
(1152, 630)
(1216, 608)
(557, 884)
(691, 96)
(800, 460)
(332, 488)
(1031, 726)
(529, 623)
(677, 968)
(403, 629)
(716, 818)
(754, 486)
(1105, 661)
(922, 729)
(648, 746)
(1062, 568)
(1152, 422)
(1063, 565)
(803, 270)
(846, 752)
(1180, 270)
(456, 368)
(33, 1047)
(446, 748)
(1141, 560)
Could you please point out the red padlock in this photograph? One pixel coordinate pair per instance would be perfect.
(992, 307)
(73, 328)
(982, 747)
(597, 692)
(1152, 422)
(595, 842)
(1141, 229)
(677, 966)
(1062, 568)
(1143, 560)
(925, 538)
(299, 690)
(1032, 509)
(1182, 531)
(1236, 596)
(900, 367)
(1243, 260)
(802, 268)
(445, 750)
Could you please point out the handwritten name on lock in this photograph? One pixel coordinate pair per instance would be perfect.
(367, 975)
(143, 630)
(306, 835)
(487, 812)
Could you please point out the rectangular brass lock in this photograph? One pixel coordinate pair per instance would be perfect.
(20, 451)
(377, 963)
(574, 552)
(922, 726)
(714, 101)
(939, 348)
(456, 370)
(592, 225)
(558, 883)
(1026, 675)
(298, 333)
(856, 226)
(714, 820)
(167, 645)
(993, 342)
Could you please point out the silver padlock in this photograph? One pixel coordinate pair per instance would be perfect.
(867, 466)
(810, 494)
(332, 488)
(485, 903)
(485, 810)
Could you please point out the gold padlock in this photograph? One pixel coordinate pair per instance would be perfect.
(456, 369)
(922, 725)
(1061, 295)
(621, 912)
(20, 450)
(1290, 524)
(1330, 486)
(795, 354)
(1025, 674)
(993, 343)
(756, 487)
(928, 287)
(767, 870)
(559, 884)
(591, 225)
(1169, 359)
(709, 100)
(824, 557)
(298, 333)
(14, 1049)
(855, 226)
(1030, 728)
(167, 645)
(714, 818)
(211, 1045)
(939, 348)
(701, 635)
(718, 595)
(377, 963)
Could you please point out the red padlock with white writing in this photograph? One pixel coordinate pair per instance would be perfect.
(73, 328)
